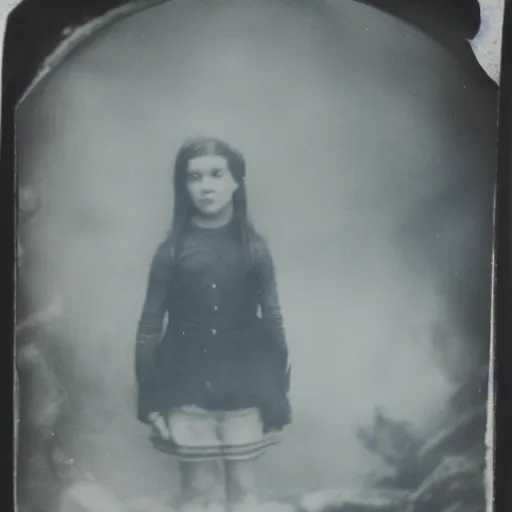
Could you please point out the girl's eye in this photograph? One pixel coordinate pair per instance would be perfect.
(193, 176)
(217, 173)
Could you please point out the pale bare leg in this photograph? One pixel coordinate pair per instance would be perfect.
(241, 486)
(202, 486)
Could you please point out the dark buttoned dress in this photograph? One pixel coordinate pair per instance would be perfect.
(223, 346)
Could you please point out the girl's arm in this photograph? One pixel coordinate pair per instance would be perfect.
(149, 330)
(270, 305)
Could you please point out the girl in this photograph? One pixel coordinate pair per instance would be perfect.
(215, 385)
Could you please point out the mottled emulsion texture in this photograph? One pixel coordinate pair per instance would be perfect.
(370, 157)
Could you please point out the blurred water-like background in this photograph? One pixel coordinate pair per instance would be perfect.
(370, 157)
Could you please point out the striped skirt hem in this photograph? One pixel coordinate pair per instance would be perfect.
(225, 452)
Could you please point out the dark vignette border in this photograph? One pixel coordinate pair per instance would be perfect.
(35, 29)
(502, 315)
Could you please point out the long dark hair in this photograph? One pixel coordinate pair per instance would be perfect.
(184, 209)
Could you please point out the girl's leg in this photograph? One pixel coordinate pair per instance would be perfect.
(202, 484)
(241, 485)
(242, 429)
(202, 481)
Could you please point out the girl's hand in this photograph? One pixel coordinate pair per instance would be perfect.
(160, 426)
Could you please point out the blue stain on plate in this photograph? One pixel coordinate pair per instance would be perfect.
(486, 45)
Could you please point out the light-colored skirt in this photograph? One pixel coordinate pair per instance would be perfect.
(198, 435)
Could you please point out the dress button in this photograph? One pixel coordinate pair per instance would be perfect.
(214, 285)
(214, 331)
(216, 308)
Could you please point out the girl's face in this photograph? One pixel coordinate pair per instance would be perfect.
(210, 184)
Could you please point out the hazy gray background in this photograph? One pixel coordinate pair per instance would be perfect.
(370, 158)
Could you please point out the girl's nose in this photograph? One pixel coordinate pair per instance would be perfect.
(206, 186)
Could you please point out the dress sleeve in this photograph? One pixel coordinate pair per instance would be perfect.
(270, 305)
(150, 326)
